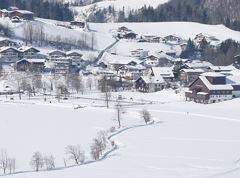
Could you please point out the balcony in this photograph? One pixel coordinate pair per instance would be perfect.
(197, 96)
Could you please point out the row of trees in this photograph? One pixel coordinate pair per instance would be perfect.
(202, 11)
(36, 34)
(32, 83)
(74, 153)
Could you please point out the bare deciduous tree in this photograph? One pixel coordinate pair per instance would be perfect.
(75, 153)
(49, 162)
(99, 145)
(119, 111)
(89, 83)
(28, 32)
(37, 161)
(4, 161)
(95, 152)
(145, 115)
(11, 165)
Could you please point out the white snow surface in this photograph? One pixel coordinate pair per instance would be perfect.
(187, 139)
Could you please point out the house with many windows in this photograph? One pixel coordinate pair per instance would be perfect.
(150, 84)
(212, 87)
(8, 55)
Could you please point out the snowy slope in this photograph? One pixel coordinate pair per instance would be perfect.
(85, 11)
(185, 30)
(52, 31)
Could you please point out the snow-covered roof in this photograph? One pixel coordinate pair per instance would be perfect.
(163, 71)
(198, 64)
(137, 67)
(26, 48)
(212, 74)
(33, 60)
(222, 68)
(155, 80)
(24, 12)
(2, 49)
(192, 70)
(56, 51)
(202, 93)
(233, 80)
(215, 87)
(162, 54)
(74, 51)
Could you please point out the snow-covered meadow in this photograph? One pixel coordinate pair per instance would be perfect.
(187, 139)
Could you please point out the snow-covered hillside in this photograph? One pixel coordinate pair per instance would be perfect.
(184, 30)
(85, 11)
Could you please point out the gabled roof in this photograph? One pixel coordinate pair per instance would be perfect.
(56, 50)
(74, 51)
(26, 48)
(214, 87)
(5, 48)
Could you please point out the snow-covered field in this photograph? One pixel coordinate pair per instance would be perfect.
(187, 139)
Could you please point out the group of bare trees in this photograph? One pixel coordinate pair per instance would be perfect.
(7, 163)
(34, 33)
(38, 161)
(75, 153)
(99, 145)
